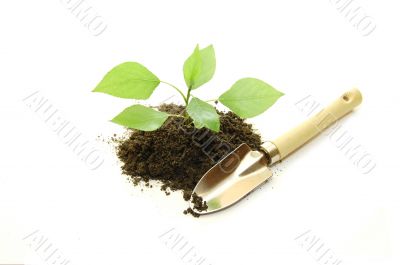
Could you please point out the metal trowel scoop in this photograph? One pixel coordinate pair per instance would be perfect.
(244, 169)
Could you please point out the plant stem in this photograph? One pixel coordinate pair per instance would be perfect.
(177, 89)
(176, 115)
(188, 96)
(187, 102)
(211, 100)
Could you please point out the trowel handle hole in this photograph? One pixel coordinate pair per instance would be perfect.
(345, 98)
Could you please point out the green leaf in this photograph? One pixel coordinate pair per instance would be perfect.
(250, 97)
(141, 118)
(199, 68)
(128, 80)
(203, 114)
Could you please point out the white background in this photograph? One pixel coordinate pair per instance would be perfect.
(300, 47)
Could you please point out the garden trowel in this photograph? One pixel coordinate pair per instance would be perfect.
(244, 169)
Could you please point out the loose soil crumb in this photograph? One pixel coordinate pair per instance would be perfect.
(198, 204)
(178, 154)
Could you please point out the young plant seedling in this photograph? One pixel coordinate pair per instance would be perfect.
(247, 98)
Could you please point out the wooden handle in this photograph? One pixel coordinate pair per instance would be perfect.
(298, 136)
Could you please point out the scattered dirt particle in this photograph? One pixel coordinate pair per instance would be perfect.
(198, 204)
(187, 194)
(190, 211)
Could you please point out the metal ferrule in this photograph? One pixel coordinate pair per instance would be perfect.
(272, 152)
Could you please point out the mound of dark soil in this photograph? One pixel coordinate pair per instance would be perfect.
(178, 154)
